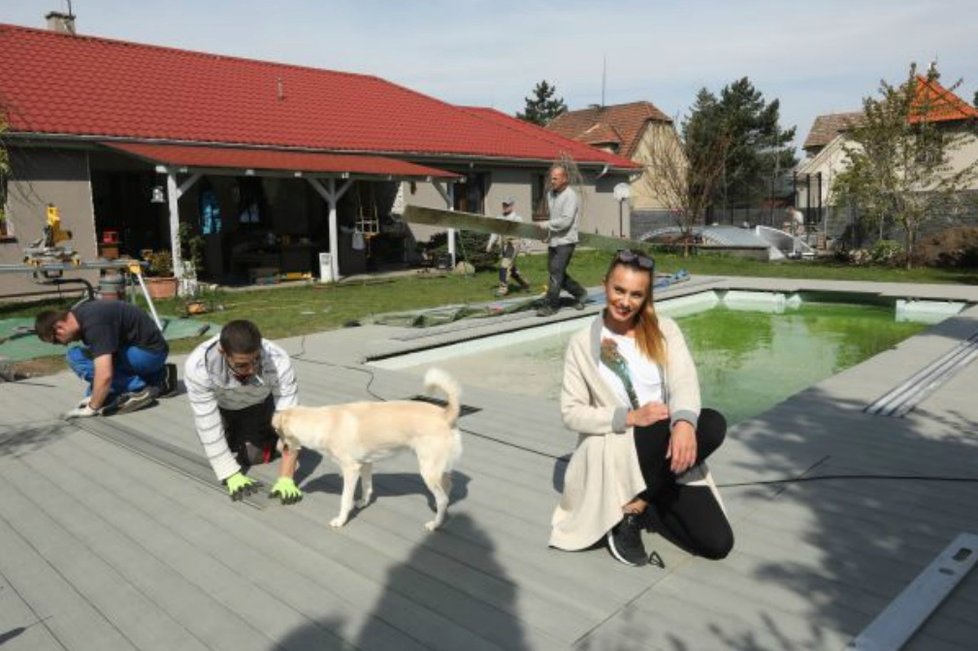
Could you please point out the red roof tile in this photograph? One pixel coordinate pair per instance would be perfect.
(601, 134)
(573, 148)
(628, 120)
(940, 104)
(934, 103)
(268, 159)
(68, 85)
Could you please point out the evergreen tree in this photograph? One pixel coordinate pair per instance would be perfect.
(542, 106)
(706, 137)
(758, 147)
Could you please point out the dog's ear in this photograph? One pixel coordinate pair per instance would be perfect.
(278, 422)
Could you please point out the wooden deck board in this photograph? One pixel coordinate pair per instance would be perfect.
(256, 560)
(813, 563)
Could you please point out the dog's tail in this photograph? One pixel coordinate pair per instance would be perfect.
(436, 378)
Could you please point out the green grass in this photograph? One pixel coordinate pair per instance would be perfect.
(303, 309)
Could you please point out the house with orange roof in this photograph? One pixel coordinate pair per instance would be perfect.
(633, 130)
(827, 140)
(270, 163)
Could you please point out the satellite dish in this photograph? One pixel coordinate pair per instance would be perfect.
(622, 192)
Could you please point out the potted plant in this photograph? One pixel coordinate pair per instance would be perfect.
(191, 249)
(160, 281)
(205, 300)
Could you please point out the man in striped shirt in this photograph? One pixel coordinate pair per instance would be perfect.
(235, 382)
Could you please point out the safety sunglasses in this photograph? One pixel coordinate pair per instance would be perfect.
(631, 257)
(253, 364)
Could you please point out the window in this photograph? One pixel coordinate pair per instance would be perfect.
(470, 196)
(538, 198)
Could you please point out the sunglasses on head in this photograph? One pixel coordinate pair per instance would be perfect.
(631, 257)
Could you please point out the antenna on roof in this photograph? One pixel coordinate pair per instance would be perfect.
(604, 76)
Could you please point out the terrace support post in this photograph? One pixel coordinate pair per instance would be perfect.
(332, 196)
(821, 211)
(448, 194)
(173, 194)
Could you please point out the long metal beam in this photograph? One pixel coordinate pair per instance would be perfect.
(67, 266)
(483, 224)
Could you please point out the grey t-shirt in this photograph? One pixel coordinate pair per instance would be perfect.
(107, 326)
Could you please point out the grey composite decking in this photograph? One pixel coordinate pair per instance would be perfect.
(113, 534)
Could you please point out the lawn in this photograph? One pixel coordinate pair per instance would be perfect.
(301, 309)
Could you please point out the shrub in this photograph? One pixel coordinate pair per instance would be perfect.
(884, 252)
(160, 263)
(952, 247)
(469, 246)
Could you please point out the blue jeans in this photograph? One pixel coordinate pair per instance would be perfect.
(558, 257)
(132, 368)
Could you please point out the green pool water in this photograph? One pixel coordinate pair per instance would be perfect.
(747, 361)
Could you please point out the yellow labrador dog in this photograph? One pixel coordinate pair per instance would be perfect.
(359, 433)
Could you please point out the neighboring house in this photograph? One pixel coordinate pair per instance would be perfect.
(138, 139)
(629, 130)
(829, 136)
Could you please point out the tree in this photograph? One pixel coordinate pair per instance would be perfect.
(974, 101)
(542, 106)
(899, 162)
(683, 169)
(757, 149)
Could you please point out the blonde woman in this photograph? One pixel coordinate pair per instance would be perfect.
(631, 391)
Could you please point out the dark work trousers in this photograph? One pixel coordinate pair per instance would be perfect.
(558, 257)
(690, 515)
(249, 433)
(507, 266)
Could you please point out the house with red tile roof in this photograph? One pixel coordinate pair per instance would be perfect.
(828, 138)
(634, 131)
(270, 163)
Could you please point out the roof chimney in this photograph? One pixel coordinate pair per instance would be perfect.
(61, 23)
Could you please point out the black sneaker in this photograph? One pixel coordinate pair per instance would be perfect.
(547, 310)
(625, 541)
(129, 402)
(580, 302)
(169, 385)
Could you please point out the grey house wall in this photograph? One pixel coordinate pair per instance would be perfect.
(40, 176)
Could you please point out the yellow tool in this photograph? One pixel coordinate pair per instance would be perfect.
(55, 233)
(49, 247)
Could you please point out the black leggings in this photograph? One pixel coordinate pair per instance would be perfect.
(249, 433)
(690, 516)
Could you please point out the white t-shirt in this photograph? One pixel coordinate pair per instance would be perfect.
(645, 375)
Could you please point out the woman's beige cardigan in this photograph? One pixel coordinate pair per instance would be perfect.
(603, 474)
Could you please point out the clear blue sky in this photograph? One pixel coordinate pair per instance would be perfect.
(816, 57)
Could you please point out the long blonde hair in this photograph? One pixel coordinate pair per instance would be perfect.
(648, 335)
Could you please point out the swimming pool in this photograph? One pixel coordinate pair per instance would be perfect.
(752, 349)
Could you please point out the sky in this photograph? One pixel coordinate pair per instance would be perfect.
(815, 57)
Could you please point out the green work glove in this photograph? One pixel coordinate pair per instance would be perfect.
(240, 486)
(286, 490)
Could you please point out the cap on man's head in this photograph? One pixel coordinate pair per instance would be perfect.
(509, 201)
